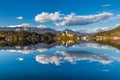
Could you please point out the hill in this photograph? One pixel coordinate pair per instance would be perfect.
(110, 33)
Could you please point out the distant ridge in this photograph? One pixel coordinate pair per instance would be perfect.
(39, 29)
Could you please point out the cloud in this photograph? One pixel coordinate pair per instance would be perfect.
(72, 19)
(72, 56)
(19, 25)
(118, 24)
(115, 17)
(106, 5)
(93, 30)
(48, 17)
(19, 18)
(101, 29)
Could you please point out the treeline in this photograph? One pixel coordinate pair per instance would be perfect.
(21, 35)
(22, 38)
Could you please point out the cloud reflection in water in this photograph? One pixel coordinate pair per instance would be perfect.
(72, 56)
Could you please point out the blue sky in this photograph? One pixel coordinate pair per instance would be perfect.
(84, 14)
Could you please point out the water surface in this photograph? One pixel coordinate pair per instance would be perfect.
(84, 60)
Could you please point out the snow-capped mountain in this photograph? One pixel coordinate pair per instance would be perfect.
(39, 30)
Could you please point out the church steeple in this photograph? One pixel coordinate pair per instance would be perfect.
(66, 32)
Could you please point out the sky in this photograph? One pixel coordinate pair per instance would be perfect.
(61, 14)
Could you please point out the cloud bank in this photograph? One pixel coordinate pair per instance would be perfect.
(72, 19)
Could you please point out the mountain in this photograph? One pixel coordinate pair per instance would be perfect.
(38, 30)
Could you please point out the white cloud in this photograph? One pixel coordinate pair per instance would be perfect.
(115, 17)
(19, 17)
(118, 24)
(72, 19)
(19, 25)
(48, 17)
(93, 30)
(106, 5)
(100, 29)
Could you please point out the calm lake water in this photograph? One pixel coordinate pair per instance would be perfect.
(84, 60)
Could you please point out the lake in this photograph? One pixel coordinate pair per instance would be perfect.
(83, 60)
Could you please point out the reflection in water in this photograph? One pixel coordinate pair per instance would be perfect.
(26, 46)
(72, 57)
(41, 47)
(20, 59)
(61, 56)
(110, 42)
(83, 58)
